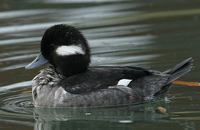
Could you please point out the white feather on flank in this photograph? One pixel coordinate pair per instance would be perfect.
(69, 50)
(124, 82)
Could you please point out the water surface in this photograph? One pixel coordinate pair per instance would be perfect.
(155, 35)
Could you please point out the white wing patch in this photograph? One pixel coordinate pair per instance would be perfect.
(69, 50)
(124, 82)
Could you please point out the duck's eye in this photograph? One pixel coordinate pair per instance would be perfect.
(52, 45)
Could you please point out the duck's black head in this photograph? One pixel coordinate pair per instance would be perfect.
(65, 48)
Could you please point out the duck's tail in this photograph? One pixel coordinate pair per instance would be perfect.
(175, 73)
(179, 70)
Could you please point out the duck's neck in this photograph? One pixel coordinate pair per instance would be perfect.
(72, 65)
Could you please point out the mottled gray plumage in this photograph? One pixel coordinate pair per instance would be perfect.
(149, 87)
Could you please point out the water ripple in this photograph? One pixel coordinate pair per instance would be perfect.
(19, 41)
(22, 13)
(16, 85)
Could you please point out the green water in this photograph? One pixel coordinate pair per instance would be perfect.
(151, 34)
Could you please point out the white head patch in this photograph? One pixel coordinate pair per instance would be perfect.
(69, 50)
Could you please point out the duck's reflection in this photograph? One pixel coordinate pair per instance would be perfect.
(101, 118)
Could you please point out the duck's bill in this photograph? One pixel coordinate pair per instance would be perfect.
(39, 60)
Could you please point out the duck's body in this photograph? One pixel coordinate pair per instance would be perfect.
(70, 83)
(103, 86)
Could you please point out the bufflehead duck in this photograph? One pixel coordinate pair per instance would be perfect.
(69, 82)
